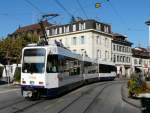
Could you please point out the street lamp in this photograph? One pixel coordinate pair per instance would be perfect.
(148, 23)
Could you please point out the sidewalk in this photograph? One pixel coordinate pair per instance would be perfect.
(9, 86)
(138, 103)
(133, 102)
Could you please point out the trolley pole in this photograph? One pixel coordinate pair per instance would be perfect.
(45, 17)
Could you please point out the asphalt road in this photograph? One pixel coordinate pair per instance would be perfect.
(102, 97)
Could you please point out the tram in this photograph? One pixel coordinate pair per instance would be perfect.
(51, 70)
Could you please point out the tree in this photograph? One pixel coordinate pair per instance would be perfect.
(10, 48)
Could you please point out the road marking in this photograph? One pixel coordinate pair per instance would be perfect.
(1, 92)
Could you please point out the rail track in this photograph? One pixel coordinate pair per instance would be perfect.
(21, 105)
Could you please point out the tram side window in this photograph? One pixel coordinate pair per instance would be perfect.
(69, 66)
(107, 68)
(52, 64)
(90, 68)
(72, 66)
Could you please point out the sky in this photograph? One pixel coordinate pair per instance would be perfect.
(126, 17)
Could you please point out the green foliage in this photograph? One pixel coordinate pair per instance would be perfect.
(17, 74)
(1, 71)
(10, 47)
(136, 86)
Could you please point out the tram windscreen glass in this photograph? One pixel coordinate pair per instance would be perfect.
(34, 60)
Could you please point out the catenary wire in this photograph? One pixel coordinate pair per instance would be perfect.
(58, 3)
(82, 9)
(35, 7)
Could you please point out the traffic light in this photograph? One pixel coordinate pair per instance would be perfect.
(97, 5)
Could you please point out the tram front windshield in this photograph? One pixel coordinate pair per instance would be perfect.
(34, 60)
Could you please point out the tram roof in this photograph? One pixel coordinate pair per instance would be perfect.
(54, 49)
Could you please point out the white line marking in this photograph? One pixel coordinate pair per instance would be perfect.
(1, 92)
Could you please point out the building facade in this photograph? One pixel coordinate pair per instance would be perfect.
(140, 59)
(86, 37)
(122, 55)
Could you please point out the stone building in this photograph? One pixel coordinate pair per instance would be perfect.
(122, 54)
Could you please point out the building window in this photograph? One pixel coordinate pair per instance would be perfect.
(98, 26)
(117, 58)
(120, 58)
(114, 47)
(74, 28)
(117, 48)
(66, 29)
(55, 31)
(123, 60)
(97, 55)
(106, 42)
(84, 25)
(60, 30)
(114, 58)
(120, 48)
(129, 49)
(106, 55)
(74, 41)
(82, 40)
(98, 40)
(106, 29)
(129, 59)
(126, 49)
(123, 49)
(81, 26)
(140, 61)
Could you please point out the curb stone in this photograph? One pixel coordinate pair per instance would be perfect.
(128, 100)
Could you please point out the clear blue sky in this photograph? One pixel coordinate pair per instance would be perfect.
(126, 16)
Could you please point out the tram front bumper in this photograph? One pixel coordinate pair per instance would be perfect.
(27, 93)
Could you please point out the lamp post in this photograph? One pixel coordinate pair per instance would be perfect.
(148, 23)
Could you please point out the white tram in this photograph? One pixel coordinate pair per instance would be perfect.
(51, 70)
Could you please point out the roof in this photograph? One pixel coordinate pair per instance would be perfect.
(31, 27)
(78, 21)
(140, 52)
(141, 49)
(121, 39)
(120, 35)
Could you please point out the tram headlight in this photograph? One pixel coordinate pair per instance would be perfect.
(24, 82)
